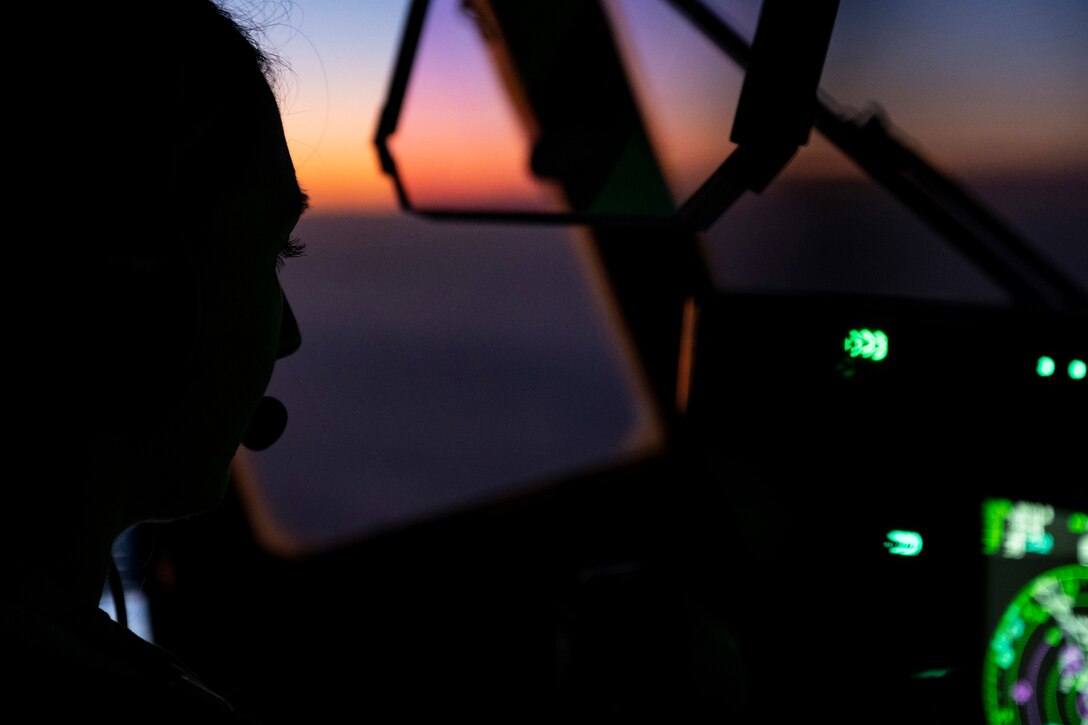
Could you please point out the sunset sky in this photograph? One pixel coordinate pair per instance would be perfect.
(446, 363)
(981, 84)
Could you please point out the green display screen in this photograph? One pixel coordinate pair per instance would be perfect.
(1035, 668)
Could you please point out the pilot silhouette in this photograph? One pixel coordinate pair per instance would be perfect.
(146, 316)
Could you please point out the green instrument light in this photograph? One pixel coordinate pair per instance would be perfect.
(932, 674)
(1040, 545)
(1078, 523)
(994, 513)
(904, 543)
(1078, 369)
(867, 344)
(1046, 366)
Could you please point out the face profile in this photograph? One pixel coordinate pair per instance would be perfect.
(246, 323)
(155, 172)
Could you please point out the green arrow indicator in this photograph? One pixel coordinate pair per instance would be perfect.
(904, 543)
(866, 344)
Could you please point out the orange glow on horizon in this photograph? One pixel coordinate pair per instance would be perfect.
(438, 174)
(486, 170)
(342, 176)
(1013, 113)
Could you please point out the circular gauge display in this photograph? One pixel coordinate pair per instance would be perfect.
(1035, 669)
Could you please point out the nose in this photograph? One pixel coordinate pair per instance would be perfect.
(290, 337)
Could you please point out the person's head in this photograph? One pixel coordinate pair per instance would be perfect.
(161, 199)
